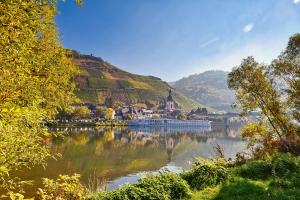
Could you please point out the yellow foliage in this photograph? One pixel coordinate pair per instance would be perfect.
(110, 113)
(36, 80)
(254, 129)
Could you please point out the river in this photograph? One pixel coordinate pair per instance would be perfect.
(107, 158)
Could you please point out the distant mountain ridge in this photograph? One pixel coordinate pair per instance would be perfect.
(208, 88)
(103, 83)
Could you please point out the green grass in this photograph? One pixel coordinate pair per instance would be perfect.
(238, 189)
(206, 194)
(275, 178)
(246, 189)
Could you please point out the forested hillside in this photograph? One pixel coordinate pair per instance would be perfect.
(209, 88)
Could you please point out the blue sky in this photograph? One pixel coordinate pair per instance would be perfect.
(175, 38)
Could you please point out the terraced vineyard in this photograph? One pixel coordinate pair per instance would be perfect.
(102, 83)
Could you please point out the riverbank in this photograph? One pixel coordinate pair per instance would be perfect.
(273, 178)
(107, 123)
(276, 178)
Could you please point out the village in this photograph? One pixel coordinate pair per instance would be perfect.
(87, 113)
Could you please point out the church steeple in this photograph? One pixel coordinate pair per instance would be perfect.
(170, 98)
(170, 104)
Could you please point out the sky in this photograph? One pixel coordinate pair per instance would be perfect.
(172, 39)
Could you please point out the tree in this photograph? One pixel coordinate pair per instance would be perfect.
(106, 113)
(81, 112)
(36, 80)
(110, 114)
(100, 112)
(286, 68)
(65, 114)
(155, 116)
(257, 88)
(181, 117)
(128, 116)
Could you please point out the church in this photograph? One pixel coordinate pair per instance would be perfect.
(170, 103)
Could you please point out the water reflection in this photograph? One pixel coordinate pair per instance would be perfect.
(119, 155)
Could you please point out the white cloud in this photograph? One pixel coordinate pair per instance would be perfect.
(262, 50)
(296, 1)
(249, 27)
(211, 41)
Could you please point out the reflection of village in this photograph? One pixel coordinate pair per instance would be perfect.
(109, 153)
(166, 137)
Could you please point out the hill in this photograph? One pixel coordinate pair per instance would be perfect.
(102, 83)
(208, 88)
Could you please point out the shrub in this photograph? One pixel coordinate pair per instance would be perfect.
(64, 187)
(284, 164)
(173, 184)
(163, 187)
(132, 191)
(286, 169)
(279, 165)
(206, 173)
(290, 181)
(257, 169)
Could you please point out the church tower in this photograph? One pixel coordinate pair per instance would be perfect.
(170, 104)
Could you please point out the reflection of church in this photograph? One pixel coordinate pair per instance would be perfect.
(170, 103)
(169, 147)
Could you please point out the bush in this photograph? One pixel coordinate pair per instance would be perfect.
(132, 191)
(65, 187)
(257, 169)
(163, 187)
(206, 173)
(284, 164)
(278, 165)
(173, 184)
(286, 169)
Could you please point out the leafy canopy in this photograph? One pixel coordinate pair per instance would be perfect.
(35, 81)
(274, 91)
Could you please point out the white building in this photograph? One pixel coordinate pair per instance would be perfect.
(170, 122)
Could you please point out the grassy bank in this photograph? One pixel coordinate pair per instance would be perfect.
(277, 177)
(269, 178)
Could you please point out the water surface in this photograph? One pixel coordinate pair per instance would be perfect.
(120, 155)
